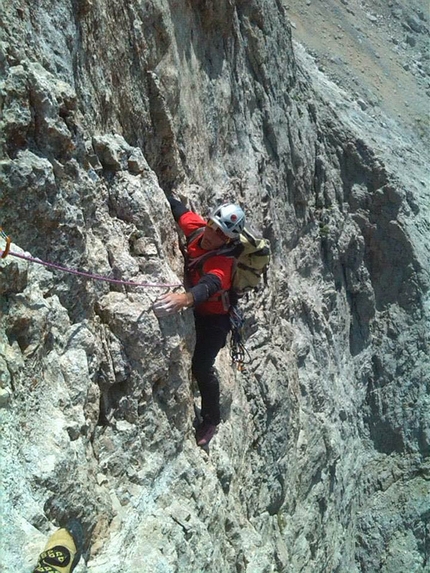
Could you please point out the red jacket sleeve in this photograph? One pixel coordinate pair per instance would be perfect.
(190, 222)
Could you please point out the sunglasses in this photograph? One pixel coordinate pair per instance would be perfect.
(217, 230)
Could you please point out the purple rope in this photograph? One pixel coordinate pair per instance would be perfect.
(90, 275)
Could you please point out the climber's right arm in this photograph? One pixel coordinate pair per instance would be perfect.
(178, 208)
(187, 220)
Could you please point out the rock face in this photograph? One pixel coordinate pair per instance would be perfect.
(322, 461)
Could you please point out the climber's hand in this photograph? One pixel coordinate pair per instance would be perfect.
(172, 303)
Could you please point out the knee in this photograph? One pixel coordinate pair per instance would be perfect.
(203, 373)
(200, 371)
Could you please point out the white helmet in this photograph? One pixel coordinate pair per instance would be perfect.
(229, 218)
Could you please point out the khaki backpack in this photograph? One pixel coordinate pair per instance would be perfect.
(252, 258)
(252, 262)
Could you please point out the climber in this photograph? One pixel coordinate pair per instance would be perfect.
(210, 278)
(63, 550)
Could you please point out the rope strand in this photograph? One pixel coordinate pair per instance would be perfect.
(85, 274)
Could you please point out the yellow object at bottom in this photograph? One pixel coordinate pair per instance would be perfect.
(58, 555)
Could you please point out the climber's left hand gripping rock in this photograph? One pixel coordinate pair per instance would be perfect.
(172, 303)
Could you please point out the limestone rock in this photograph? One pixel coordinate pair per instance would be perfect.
(321, 460)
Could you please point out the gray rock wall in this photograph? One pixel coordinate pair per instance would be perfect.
(322, 461)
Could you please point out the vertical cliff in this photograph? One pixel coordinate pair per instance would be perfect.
(321, 463)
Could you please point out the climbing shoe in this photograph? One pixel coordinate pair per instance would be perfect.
(204, 433)
(63, 550)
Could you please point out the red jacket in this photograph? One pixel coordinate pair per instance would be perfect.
(218, 265)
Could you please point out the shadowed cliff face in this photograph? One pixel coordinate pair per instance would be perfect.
(321, 462)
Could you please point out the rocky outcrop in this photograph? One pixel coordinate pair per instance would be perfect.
(322, 460)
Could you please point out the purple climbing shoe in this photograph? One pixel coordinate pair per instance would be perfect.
(204, 433)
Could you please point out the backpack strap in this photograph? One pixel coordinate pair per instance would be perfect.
(224, 297)
(195, 234)
(198, 262)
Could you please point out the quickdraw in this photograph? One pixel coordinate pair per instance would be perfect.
(8, 241)
(238, 352)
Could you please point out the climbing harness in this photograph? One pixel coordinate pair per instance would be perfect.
(7, 251)
(239, 354)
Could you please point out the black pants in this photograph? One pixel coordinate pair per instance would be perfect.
(211, 336)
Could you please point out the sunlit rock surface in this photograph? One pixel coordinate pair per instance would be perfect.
(321, 463)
